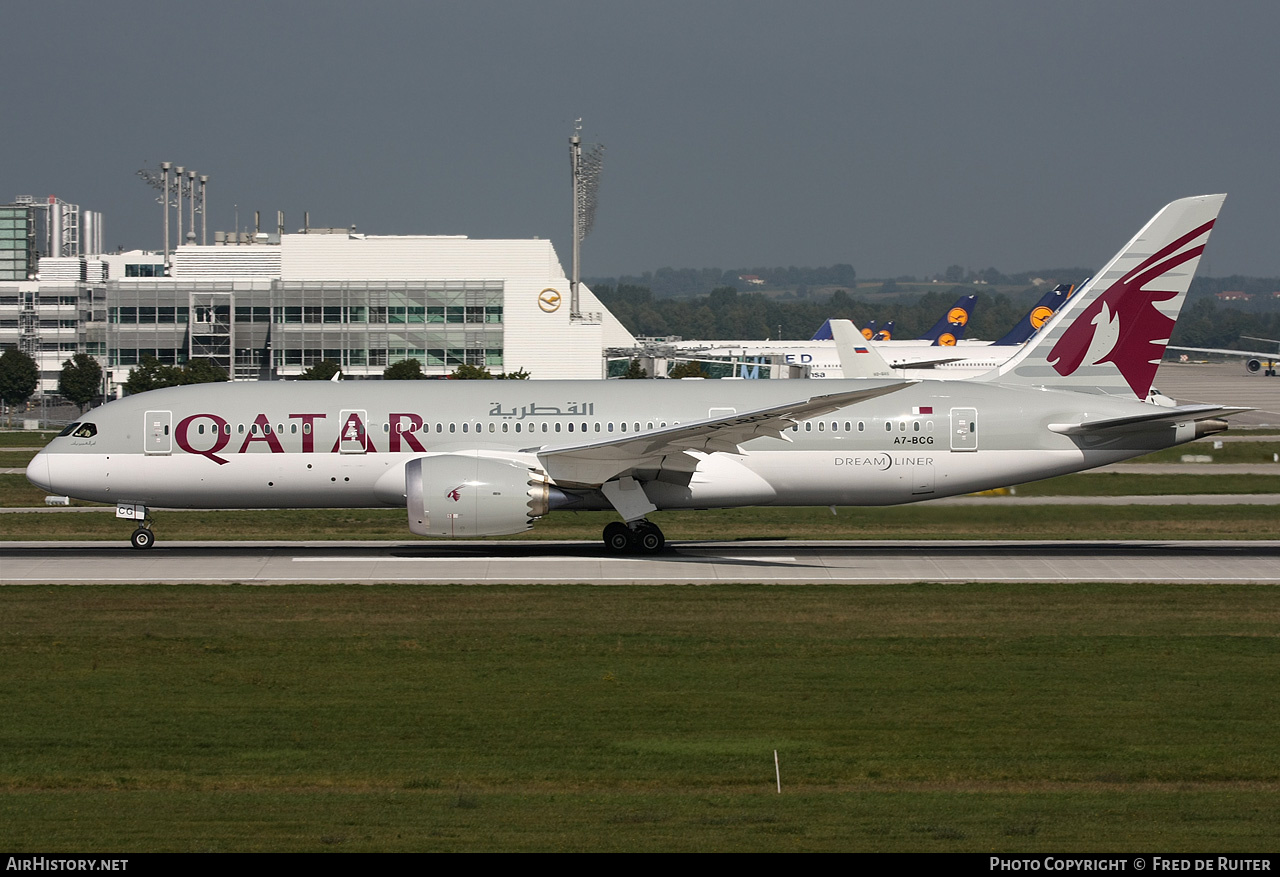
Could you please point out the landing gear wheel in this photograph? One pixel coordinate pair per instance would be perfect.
(143, 538)
(617, 538)
(649, 538)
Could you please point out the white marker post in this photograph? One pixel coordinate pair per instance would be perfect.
(776, 771)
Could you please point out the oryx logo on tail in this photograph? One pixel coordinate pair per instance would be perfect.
(1124, 325)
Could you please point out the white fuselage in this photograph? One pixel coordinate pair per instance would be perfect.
(302, 445)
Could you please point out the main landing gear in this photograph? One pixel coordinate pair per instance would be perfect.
(641, 537)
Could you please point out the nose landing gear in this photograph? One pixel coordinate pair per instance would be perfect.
(143, 538)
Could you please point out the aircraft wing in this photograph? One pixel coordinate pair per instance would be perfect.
(926, 362)
(1138, 422)
(593, 463)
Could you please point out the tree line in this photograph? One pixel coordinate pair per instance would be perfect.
(727, 314)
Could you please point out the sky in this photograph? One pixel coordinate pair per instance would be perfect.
(899, 137)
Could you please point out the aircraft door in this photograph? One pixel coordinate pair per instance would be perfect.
(964, 429)
(352, 435)
(157, 431)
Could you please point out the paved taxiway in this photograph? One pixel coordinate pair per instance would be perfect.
(547, 563)
(1223, 383)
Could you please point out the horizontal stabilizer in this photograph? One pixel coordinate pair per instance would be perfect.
(1140, 422)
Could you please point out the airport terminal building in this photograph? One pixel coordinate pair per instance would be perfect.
(269, 306)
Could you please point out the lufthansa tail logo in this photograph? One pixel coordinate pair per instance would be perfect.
(549, 301)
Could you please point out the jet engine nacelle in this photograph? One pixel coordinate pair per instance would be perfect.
(464, 495)
(1253, 366)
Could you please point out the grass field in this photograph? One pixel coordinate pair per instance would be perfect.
(901, 522)
(20, 438)
(980, 717)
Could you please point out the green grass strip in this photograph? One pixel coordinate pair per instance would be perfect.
(1018, 718)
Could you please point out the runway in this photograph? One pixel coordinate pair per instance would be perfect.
(1223, 384)
(696, 563)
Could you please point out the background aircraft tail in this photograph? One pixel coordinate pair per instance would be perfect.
(1110, 336)
(858, 359)
(952, 323)
(1036, 317)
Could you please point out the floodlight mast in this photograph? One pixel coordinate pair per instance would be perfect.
(585, 170)
(204, 214)
(191, 206)
(164, 199)
(177, 186)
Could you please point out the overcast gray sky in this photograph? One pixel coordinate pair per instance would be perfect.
(900, 137)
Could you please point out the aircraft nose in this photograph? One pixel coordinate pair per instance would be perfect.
(38, 472)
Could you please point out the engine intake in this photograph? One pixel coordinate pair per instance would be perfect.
(465, 495)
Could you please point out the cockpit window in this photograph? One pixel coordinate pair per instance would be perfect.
(86, 430)
(68, 430)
